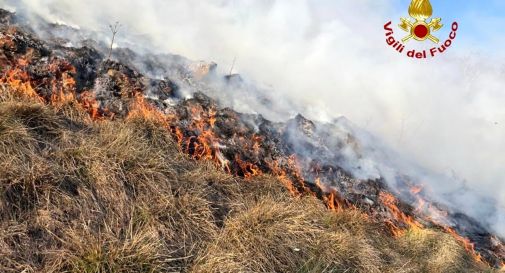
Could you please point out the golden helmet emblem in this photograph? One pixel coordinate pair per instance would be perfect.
(420, 29)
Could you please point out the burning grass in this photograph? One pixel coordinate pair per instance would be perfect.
(78, 195)
(91, 96)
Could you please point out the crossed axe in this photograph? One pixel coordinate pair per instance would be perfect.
(409, 26)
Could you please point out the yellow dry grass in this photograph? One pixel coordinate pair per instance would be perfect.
(117, 196)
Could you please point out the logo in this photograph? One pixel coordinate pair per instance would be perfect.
(420, 28)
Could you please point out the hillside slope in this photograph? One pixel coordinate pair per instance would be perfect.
(131, 163)
(78, 195)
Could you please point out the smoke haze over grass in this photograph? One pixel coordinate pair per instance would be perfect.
(329, 58)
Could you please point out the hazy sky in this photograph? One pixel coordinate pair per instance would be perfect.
(480, 20)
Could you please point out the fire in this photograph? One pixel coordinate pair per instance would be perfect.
(212, 117)
(391, 203)
(282, 175)
(141, 108)
(438, 217)
(198, 135)
(204, 144)
(19, 81)
(334, 201)
(247, 169)
(469, 246)
(200, 141)
(62, 83)
(297, 173)
(420, 204)
(416, 189)
(22, 62)
(63, 92)
(177, 132)
(320, 185)
(256, 144)
(197, 139)
(89, 103)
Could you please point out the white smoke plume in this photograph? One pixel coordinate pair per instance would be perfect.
(329, 58)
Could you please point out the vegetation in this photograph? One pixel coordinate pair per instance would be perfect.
(117, 196)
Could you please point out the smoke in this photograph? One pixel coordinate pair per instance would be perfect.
(329, 58)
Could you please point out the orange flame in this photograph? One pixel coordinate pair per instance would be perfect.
(63, 92)
(19, 81)
(437, 216)
(62, 83)
(141, 108)
(416, 189)
(89, 103)
(391, 203)
(469, 246)
(282, 175)
(248, 170)
(294, 165)
(256, 144)
(200, 141)
(334, 201)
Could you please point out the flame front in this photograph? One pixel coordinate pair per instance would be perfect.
(62, 83)
(19, 81)
(197, 132)
(199, 140)
(391, 203)
(439, 217)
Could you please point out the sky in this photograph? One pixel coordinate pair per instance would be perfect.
(480, 21)
(330, 59)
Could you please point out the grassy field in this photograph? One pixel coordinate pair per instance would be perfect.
(117, 196)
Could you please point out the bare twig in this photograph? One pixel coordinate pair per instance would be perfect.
(233, 65)
(114, 29)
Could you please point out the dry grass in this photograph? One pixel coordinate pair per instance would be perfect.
(117, 196)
